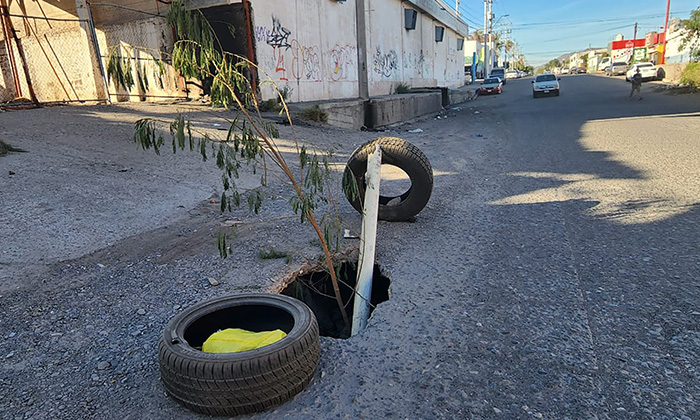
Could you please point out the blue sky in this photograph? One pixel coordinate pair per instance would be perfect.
(547, 29)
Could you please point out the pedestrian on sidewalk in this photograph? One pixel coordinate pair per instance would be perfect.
(636, 84)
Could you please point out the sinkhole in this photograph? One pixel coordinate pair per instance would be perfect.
(315, 289)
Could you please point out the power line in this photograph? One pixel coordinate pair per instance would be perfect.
(580, 36)
(589, 21)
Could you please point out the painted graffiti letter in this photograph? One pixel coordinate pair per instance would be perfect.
(343, 61)
(385, 64)
(279, 37)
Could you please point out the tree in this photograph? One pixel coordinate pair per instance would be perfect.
(692, 35)
(553, 64)
(250, 141)
(477, 35)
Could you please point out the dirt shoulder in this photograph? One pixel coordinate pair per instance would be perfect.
(104, 243)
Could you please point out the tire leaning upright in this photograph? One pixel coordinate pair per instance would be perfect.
(404, 155)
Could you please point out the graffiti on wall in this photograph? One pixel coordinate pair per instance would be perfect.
(306, 62)
(385, 64)
(343, 60)
(279, 36)
(413, 61)
(291, 59)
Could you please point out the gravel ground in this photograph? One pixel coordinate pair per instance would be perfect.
(538, 310)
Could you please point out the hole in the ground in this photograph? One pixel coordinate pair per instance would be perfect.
(315, 289)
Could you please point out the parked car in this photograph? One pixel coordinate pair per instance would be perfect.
(545, 84)
(581, 70)
(512, 74)
(648, 71)
(499, 72)
(565, 70)
(617, 68)
(491, 85)
(604, 63)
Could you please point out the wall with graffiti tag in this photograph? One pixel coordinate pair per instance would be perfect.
(308, 47)
(397, 55)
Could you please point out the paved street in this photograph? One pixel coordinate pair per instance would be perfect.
(554, 274)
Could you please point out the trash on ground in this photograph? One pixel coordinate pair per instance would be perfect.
(477, 112)
(234, 340)
(417, 130)
(348, 235)
(478, 135)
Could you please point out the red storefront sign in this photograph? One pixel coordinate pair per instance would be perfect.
(628, 44)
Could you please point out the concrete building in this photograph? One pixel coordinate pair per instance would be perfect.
(674, 52)
(316, 50)
(474, 56)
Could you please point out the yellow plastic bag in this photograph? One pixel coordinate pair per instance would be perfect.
(233, 340)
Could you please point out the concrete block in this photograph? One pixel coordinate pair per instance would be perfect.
(467, 93)
(346, 114)
(392, 109)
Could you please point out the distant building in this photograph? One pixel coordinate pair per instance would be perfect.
(674, 52)
(474, 56)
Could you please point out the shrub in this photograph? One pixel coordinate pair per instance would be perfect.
(402, 88)
(270, 105)
(691, 75)
(315, 113)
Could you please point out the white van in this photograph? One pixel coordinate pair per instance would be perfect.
(604, 63)
(499, 72)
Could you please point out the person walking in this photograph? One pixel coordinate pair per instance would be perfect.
(636, 84)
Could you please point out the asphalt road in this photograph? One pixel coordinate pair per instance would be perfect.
(554, 274)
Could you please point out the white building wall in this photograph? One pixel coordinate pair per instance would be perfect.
(398, 55)
(308, 47)
(674, 52)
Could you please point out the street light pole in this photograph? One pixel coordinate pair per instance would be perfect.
(486, 37)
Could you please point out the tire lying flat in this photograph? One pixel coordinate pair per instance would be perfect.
(230, 384)
(404, 155)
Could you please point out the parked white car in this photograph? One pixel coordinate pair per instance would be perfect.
(545, 84)
(647, 70)
(512, 74)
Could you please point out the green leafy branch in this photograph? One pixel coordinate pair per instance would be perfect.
(250, 140)
(119, 69)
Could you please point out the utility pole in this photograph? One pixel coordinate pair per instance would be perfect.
(634, 43)
(663, 51)
(489, 25)
(486, 31)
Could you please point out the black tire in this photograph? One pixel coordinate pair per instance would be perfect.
(556, 92)
(230, 384)
(404, 155)
(534, 94)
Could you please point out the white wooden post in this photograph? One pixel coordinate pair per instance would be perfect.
(368, 237)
